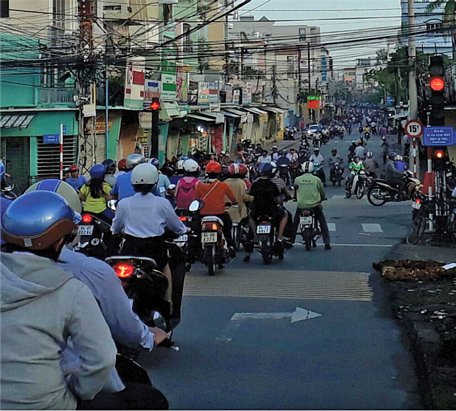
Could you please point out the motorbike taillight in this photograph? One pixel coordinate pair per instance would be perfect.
(87, 218)
(183, 218)
(210, 227)
(124, 270)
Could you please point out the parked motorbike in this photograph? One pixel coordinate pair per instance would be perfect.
(356, 185)
(382, 192)
(309, 228)
(336, 174)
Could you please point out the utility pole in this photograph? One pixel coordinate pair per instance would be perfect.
(309, 76)
(413, 97)
(274, 86)
(299, 83)
(227, 57)
(87, 87)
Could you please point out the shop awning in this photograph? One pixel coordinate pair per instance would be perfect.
(201, 118)
(217, 116)
(169, 110)
(16, 120)
(275, 110)
(242, 114)
(230, 115)
(255, 110)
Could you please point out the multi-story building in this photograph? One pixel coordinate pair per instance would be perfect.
(430, 37)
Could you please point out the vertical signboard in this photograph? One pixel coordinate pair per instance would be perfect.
(134, 83)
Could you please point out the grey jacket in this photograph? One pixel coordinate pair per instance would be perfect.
(42, 307)
(391, 172)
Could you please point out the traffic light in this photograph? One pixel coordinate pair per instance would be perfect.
(155, 105)
(437, 86)
(439, 158)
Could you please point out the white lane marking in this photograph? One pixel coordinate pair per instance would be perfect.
(372, 228)
(332, 226)
(336, 196)
(352, 245)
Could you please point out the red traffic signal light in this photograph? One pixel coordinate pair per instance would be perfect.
(155, 104)
(439, 154)
(437, 83)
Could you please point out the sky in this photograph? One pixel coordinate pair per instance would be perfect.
(339, 20)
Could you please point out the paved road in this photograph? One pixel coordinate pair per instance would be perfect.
(311, 332)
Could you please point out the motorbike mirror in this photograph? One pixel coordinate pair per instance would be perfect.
(159, 321)
(112, 204)
(196, 205)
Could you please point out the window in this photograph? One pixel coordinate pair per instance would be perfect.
(434, 27)
(302, 34)
(4, 8)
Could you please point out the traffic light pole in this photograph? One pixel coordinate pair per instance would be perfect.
(155, 134)
(413, 94)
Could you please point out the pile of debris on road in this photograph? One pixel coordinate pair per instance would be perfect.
(414, 270)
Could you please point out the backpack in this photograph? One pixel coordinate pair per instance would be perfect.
(186, 193)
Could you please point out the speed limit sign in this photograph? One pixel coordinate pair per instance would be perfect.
(414, 128)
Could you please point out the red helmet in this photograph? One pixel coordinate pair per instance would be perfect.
(73, 168)
(213, 168)
(243, 170)
(122, 165)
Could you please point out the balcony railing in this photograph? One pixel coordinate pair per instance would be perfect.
(49, 95)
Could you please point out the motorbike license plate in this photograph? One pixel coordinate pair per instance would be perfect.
(306, 220)
(264, 229)
(209, 237)
(182, 239)
(85, 230)
(416, 205)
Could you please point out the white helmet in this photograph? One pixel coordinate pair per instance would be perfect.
(134, 159)
(190, 166)
(144, 174)
(307, 167)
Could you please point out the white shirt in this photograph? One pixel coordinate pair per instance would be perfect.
(145, 216)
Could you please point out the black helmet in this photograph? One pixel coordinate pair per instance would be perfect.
(110, 166)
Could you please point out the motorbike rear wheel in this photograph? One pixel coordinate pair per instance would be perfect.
(209, 258)
(265, 250)
(374, 196)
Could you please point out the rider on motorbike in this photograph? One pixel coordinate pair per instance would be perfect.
(144, 217)
(237, 185)
(163, 180)
(370, 164)
(317, 158)
(111, 167)
(393, 176)
(213, 193)
(123, 187)
(354, 167)
(309, 194)
(96, 192)
(43, 308)
(266, 200)
(186, 186)
(333, 160)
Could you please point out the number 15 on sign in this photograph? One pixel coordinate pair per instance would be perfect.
(413, 128)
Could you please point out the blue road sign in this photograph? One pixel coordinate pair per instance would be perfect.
(439, 136)
(51, 139)
(64, 129)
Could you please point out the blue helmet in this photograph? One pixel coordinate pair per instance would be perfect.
(97, 171)
(110, 165)
(265, 169)
(37, 220)
(155, 163)
(59, 187)
(2, 169)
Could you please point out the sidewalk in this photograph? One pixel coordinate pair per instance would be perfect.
(427, 310)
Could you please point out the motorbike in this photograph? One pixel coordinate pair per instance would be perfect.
(7, 191)
(336, 174)
(309, 228)
(266, 235)
(356, 185)
(214, 248)
(94, 235)
(381, 192)
(146, 287)
(367, 135)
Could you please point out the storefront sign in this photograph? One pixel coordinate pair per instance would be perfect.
(134, 83)
(152, 89)
(168, 87)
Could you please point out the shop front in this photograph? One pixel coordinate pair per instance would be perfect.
(30, 143)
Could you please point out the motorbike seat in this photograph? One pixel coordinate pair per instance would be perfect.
(212, 219)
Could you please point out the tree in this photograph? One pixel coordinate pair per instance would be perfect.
(449, 18)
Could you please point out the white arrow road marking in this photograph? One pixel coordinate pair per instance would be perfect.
(332, 227)
(372, 228)
(300, 314)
